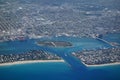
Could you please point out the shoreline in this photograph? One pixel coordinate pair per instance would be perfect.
(47, 61)
(29, 61)
(102, 65)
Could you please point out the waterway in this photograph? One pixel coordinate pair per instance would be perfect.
(72, 69)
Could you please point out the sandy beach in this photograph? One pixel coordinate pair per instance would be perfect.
(100, 65)
(30, 61)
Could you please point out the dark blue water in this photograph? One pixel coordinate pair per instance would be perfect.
(57, 71)
(38, 71)
(112, 37)
(72, 69)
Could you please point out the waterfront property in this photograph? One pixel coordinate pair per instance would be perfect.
(60, 46)
(79, 71)
(98, 57)
(83, 72)
(35, 31)
(28, 56)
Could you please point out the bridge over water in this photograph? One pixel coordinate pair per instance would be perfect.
(76, 44)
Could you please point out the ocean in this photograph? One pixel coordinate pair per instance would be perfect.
(103, 15)
(57, 71)
(38, 71)
(71, 69)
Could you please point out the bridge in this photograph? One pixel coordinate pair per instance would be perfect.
(62, 46)
(100, 39)
(104, 41)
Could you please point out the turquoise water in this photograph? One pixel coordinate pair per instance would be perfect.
(30, 44)
(72, 69)
(57, 71)
(38, 71)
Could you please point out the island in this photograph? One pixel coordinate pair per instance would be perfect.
(54, 43)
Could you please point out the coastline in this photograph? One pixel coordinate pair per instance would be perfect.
(102, 65)
(29, 61)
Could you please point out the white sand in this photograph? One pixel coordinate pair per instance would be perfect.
(45, 61)
(100, 65)
(30, 61)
